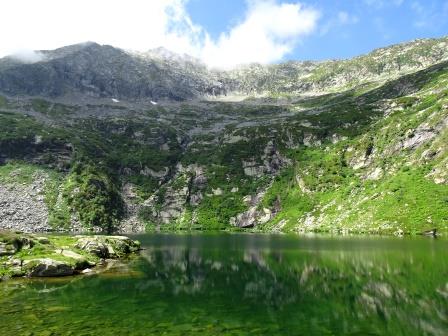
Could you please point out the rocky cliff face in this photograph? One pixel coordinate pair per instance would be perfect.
(124, 143)
(105, 71)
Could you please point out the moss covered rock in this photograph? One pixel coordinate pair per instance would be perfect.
(28, 255)
(47, 267)
(108, 246)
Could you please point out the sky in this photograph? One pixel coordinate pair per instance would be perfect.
(222, 33)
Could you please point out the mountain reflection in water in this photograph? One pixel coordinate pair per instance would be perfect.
(230, 284)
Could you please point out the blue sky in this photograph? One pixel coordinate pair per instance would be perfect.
(222, 33)
(345, 28)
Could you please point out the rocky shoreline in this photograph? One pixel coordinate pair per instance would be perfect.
(31, 255)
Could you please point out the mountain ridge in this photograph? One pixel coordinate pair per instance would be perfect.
(162, 75)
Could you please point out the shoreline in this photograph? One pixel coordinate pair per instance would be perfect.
(47, 255)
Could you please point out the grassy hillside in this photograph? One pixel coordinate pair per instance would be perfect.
(369, 159)
(392, 177)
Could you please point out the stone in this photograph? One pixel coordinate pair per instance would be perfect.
(7, 249)
(93, 245)
(375, 174)
(21, 208)
(418, 137)
(195, 199)
(255, 171)
(266, 217)
(47, 267)
(399, 232)
(217, 192)
(156, 174)
(70, 254)
(121, 245)
(43, 240)
(108, 246)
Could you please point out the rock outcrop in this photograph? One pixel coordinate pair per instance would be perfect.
(58, 255)
(107, 246)
(185, 188)
(47, 267)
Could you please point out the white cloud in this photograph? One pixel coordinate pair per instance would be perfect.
(130, 24)
(28, 56)
(268, 32)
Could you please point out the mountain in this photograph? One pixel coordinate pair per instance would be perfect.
(105, 71)
(97, 137)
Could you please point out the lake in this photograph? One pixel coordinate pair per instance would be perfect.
(245, 284)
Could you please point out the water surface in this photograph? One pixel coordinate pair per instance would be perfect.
(238, 284)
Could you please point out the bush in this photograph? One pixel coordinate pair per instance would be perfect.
(92, 194)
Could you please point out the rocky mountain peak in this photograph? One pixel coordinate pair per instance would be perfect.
(159, 74)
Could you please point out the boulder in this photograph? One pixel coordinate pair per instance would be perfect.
(47, 267)
(43, 240)
(93, 245)
(108, 246)
(119, 246)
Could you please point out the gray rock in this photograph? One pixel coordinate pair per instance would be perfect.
(93, 245)
(108, 246)
(7, 249)
(417, 138)
(43, 240)
(48, 268)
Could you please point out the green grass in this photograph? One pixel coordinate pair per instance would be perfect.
(340, 198)
(19, 173)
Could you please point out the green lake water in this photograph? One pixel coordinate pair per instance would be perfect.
(244, 284)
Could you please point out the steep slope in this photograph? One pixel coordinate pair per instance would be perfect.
(365, 158)
(391, 178)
